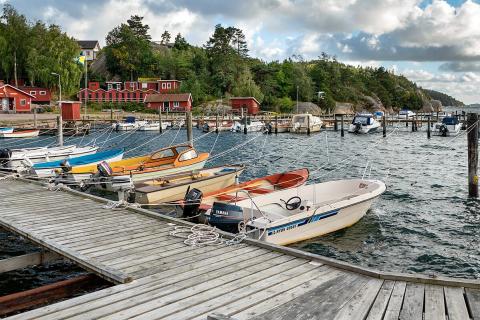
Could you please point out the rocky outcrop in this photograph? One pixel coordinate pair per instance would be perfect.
(344, 108)
(307, 107)
(436, 105)
(372, 103)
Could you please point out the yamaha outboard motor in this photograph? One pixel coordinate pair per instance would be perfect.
(65, 166)
(443, 130)
(104, 169)
(5, 155)
(192, 201)
(358, 127)
(226, 216)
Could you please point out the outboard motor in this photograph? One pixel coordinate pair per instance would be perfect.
(443, 130)
(5, 155)
(192, 201)
(358, 127)
(65, 166)
(104, 169)
(226, 216)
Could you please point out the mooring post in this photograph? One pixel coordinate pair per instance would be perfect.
(276, 124)
(35, 117)
(384, 123)
(428, 127)
(308, 124)
(160, 119)
(189, 128)
(335, 125)
(216, 123)
(472, 142)
(60, 130)
(342, 134)
(245, 130)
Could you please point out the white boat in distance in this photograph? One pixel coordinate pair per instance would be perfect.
(301, 122)
(450, 126)
(301, 213)
(153, 126)
(364, 123)
(406, 114)
(252, 126)
(23, 159)
(129, 123)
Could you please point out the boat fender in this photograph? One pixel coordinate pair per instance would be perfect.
(5, 155)
(65, 165)
(104, 169)
(192, 201)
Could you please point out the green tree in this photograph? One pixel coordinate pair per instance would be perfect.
(165, 37)
(180, 43)
(245, 86)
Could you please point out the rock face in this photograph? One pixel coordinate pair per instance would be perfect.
(344, 108)
(373, 103)
(216, 107)
(436, 105)
(307, 107)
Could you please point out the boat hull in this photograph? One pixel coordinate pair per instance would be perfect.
(178, 192)
(20, 134)
(6, 130)
(314, 128)
(325, 222)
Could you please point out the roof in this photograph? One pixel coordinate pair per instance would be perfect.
(245, 98)
(87, 44)
(16, 89)
(168, 97)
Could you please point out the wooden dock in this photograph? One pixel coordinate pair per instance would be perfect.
(159, 277)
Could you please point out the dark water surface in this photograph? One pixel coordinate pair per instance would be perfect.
(425, 222)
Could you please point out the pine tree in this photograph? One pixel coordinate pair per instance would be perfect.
(180, 43)
(139, 29)
(165, 37)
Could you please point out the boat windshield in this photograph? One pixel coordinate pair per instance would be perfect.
(300, 119)
(130, 119)
(450, 120)
(362, 120)
(168, 153)
(191, 154)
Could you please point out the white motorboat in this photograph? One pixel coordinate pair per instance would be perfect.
(406, 114)
(364, 123)
(450, 126)
(6, 130)
(302, 122)
(129, 123)
(252, 126)
(300, 213)
(22, 159)
(153, 126)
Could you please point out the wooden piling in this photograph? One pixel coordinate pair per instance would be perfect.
(35, 117)
(189, 128)
(428, 127)
(60, 131)
(335, 125)
(342, 133)
(245, 130)
(384, 124)
(216, 123)
(308, 125)
(472, 143)
(276, 124)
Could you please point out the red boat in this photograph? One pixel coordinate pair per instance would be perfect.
(255, 187)
(20, 134)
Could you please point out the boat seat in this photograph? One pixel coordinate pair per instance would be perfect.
(227, 197)
(258, 190)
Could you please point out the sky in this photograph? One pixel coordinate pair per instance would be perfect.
(435, 43)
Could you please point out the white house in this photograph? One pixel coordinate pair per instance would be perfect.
(89, 48)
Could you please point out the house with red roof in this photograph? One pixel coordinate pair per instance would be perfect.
(13, 100)
(172, 102)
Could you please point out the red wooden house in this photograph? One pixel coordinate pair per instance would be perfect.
(250, 104)
(165, 86)
(42, 95)
(14, 100)
(173, 102)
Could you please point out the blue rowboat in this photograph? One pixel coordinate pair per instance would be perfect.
(6, 129)
(48, 169)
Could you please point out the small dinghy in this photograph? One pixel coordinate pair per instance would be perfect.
(450, 126)
(51, 168)
(301, 213)
(173, 187)
(120, 175)
(251, 126)
(6, 130)
(19, 134)
(364, 123)
(196, 202)
(129, 123)
(23, 159)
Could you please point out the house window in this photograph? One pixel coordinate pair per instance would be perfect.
(43, 93)
(33, 93)
(164, 85)
(169, 85)
(109, 86)
(144, 85)
(176, 104)
(119, 86)
(23, 102)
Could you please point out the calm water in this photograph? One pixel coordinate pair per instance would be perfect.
(423, 223)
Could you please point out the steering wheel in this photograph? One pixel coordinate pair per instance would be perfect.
(293, 203)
